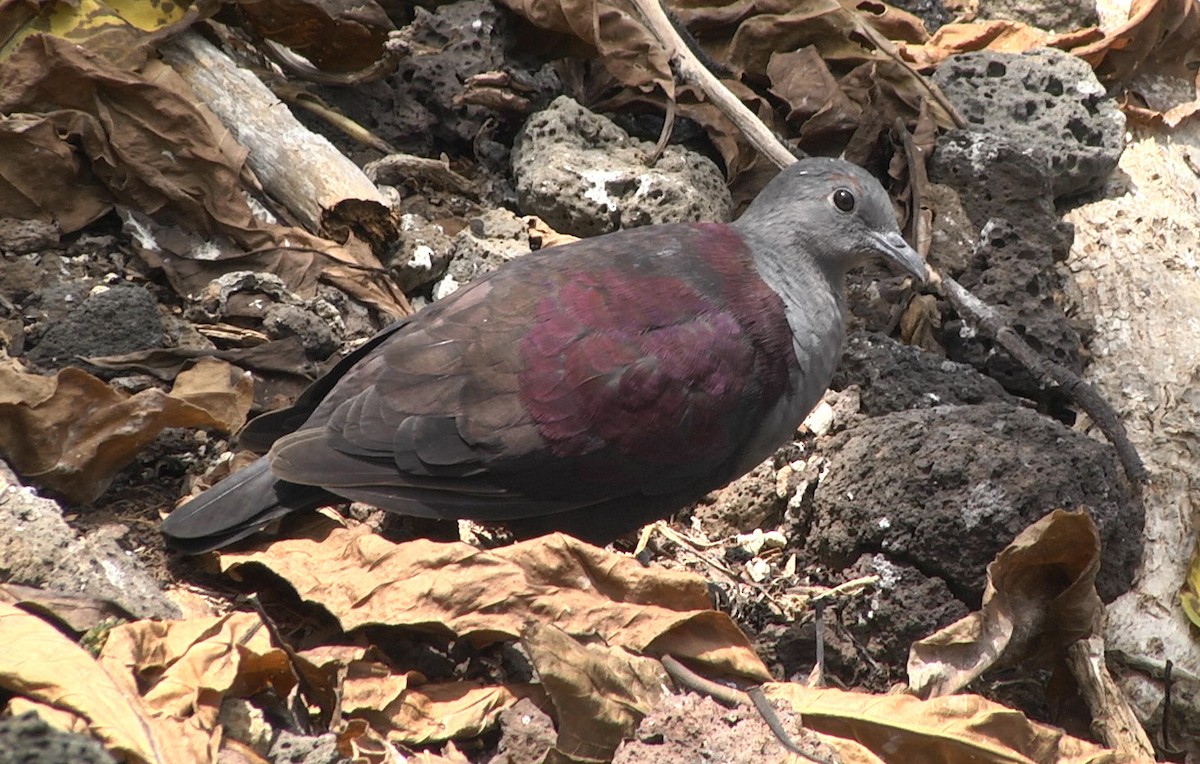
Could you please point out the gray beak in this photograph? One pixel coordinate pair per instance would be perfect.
(893, 246)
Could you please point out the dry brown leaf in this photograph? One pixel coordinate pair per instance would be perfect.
(402, 707)
(1040, 597)
(341, 36)
(456, 589)
(757, 29)
(435, 713)
(282, 369)
(55, 717)
(836, 65)
(106, 136)
(122, 32)
(599, 692)
(744, 35)
(42, 664)
(1000, 35)
(183, 669)
(736, 152)
(1157, 30)
(818, 108)
(71, 433)
(621, 40)
(952, 729)
(277, 357)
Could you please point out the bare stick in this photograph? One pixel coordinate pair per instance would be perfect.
(734, 697)
(1083, 394)
(1112, 718)
(695, 73)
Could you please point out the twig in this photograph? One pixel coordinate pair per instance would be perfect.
(693, 72)
(818, 607)
(932, 90)
(732, 696)
(1112, 718)
(298, 721)
(716, 563)
(1047, 371)
(302, 99)
(396, 168)
(664, 135)
(299, 66)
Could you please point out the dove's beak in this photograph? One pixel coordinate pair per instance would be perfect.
(893, 246)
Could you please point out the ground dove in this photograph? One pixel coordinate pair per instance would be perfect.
(589, 388)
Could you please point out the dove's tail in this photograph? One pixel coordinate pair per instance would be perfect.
(236, 507)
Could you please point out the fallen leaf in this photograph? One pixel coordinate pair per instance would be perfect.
(40, 663)
(404, 708)
(952, 729)
(614, 31)
(122, 32)
(1156, 31)
(435, 713)
(458, 591)
(600, 693)
(344, 36)
(107, 136)
(182, 669)
(1189, 594)
(1040, 597)
(71, 433)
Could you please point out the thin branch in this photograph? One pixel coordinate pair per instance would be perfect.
(693, 72)
(1048, 372)
(731, 696)
(1113, 719)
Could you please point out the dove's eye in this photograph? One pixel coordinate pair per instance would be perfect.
(843, 200)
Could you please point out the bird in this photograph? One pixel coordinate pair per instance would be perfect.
(588, 388)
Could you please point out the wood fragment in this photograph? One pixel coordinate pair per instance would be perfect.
(693, 72)
(395, 169)
(1113, 720)
(298, 168)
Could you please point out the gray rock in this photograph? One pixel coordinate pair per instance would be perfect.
(109, 321)
(26, 739)
(932, 12)
(25, 236)
(585, 176)
(294, 321)
(995, 176)
(1045, 101)
(895, 377)
(903, 606)
(290, 748)
(421, 255)
(489, 240)
(38, 548)
(880, 624)
(1052, 15)
(945, 489)
(419, 108)
(526, 733)
(1007, 192)
(1015, 274)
